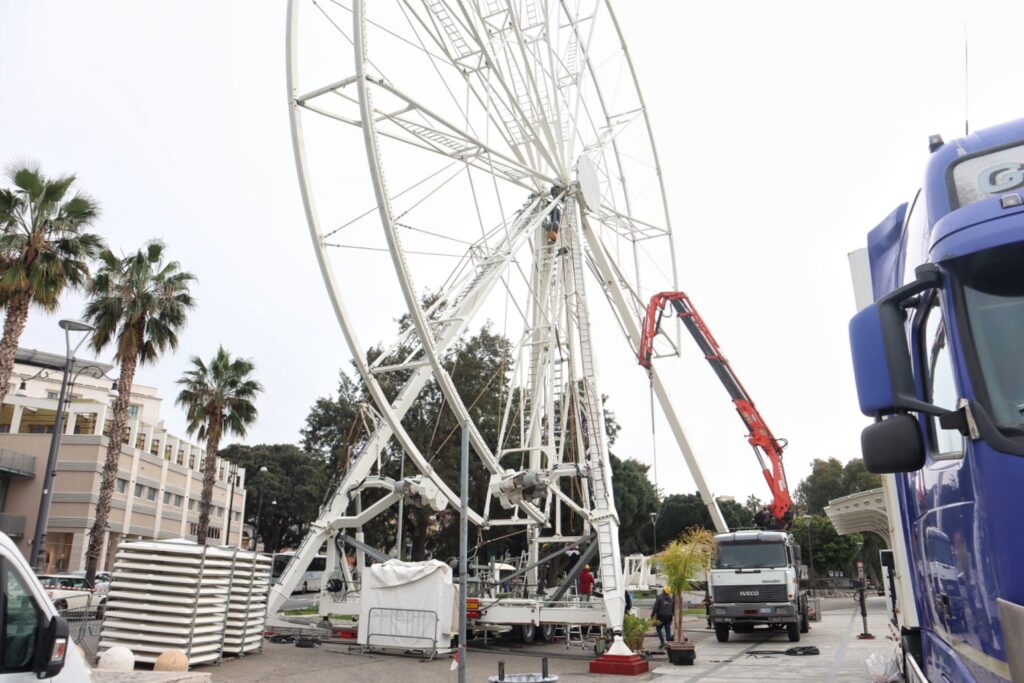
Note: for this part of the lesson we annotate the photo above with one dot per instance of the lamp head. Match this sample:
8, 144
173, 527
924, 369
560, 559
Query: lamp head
71, 325
22, 389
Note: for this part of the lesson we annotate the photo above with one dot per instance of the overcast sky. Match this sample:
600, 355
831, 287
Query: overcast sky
786, 131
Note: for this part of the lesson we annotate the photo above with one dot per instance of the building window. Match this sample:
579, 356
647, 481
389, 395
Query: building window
5, 429
211, 532
40, 429
139, 490
140, 441
151, 493
181, 458
122, 485
191, 461
177, 500
167, 497
133, 410
53, 395
167, 452
154, 447
191, 504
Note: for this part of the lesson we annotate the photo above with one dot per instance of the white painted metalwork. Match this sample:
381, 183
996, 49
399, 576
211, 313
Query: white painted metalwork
507, 140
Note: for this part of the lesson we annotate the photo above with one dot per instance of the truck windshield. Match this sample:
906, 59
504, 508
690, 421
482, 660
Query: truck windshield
993, 287
749, 555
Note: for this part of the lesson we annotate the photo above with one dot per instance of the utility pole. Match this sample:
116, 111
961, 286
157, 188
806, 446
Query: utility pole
463, 549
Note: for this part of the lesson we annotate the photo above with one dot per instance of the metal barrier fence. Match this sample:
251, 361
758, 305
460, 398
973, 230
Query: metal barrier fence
414, 625
84, 622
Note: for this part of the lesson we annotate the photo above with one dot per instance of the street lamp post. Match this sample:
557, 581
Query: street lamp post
42, 519
232, 475
259, 514
810, 555
654, 530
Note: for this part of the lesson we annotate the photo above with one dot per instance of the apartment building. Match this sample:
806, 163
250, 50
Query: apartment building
159, 480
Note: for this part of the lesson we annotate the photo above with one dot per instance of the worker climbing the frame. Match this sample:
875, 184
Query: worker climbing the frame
586, 583
663, 610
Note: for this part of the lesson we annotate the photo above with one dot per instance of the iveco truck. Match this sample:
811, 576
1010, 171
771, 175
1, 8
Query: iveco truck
938, 357
755, 581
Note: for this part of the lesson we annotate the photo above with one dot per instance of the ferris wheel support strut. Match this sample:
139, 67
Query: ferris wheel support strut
618, 301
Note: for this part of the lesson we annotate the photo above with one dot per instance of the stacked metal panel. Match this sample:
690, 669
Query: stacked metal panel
247, 603
169, 595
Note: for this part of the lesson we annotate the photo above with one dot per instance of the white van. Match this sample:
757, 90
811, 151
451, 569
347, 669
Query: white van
34, 639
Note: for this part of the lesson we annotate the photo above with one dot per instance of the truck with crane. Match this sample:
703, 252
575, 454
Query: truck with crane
755, 578
936, 349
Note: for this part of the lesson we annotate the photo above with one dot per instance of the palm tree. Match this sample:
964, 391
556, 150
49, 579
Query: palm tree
139, 303
43, 249
218, 399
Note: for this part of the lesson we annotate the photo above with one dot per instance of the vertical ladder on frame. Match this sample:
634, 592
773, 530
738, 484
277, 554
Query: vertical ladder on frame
604, 519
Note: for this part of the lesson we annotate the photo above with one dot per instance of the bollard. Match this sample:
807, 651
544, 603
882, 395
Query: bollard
864, 615
501, 670
544, 668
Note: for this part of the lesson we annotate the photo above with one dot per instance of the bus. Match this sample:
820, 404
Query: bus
311, 578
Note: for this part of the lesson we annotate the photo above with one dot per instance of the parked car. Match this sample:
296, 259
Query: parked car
68, 591
36, 641
103, 580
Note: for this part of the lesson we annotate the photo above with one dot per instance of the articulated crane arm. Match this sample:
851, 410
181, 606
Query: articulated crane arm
760, 437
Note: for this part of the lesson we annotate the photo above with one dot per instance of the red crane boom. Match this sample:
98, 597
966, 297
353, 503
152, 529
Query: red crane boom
761, 439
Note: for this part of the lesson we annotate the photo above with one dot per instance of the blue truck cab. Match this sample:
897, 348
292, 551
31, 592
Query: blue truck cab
938, 356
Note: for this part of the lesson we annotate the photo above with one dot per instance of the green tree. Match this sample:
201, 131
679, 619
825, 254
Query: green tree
830, 479
44, 249
816, 535
290, 491
218, 399
635, 500
140, 304
682, 511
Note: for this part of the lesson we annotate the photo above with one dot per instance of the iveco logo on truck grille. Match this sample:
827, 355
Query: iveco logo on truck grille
749, 594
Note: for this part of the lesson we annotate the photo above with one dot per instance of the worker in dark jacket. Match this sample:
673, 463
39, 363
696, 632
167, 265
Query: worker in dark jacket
663, 610
586, 583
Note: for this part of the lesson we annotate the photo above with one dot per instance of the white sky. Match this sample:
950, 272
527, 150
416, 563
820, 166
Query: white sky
786, 131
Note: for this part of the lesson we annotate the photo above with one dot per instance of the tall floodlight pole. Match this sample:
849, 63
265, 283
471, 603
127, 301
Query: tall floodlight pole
463, 549
43, 518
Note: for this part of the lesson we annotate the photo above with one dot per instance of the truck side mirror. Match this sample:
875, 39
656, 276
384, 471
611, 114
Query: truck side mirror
881, 355
893, 445
51, 648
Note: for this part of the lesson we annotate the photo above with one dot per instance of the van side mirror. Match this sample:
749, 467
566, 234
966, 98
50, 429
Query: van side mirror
893, 445
881, 355
51, 648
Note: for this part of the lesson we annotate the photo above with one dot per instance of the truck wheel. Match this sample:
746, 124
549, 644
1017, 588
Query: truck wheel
547, 632
793, 631
805, 624
722, 633
527, 633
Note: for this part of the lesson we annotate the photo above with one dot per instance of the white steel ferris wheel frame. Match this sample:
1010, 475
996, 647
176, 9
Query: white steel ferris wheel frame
579, 242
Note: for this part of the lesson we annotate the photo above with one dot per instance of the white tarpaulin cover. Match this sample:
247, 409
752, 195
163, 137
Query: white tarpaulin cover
408, 605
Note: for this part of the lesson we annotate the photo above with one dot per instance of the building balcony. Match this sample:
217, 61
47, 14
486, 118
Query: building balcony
17, 464
12, 525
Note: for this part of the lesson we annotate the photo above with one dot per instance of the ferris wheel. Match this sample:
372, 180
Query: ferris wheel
488, 162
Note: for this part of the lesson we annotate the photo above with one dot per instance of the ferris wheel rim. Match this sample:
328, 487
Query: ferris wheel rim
395, 249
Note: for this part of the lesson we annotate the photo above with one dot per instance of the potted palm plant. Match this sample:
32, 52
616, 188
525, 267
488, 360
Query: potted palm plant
633, 631
681, 562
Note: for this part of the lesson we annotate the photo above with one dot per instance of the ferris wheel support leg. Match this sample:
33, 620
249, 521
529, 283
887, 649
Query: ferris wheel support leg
614, 294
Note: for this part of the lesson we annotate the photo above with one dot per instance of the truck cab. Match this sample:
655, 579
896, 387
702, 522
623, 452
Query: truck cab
755, 581
34, 638
936, 348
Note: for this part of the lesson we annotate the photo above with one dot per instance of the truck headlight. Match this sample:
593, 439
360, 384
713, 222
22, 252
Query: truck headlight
781, 610
719, 610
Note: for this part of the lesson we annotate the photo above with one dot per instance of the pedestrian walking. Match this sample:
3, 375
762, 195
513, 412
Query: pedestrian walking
663, 610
